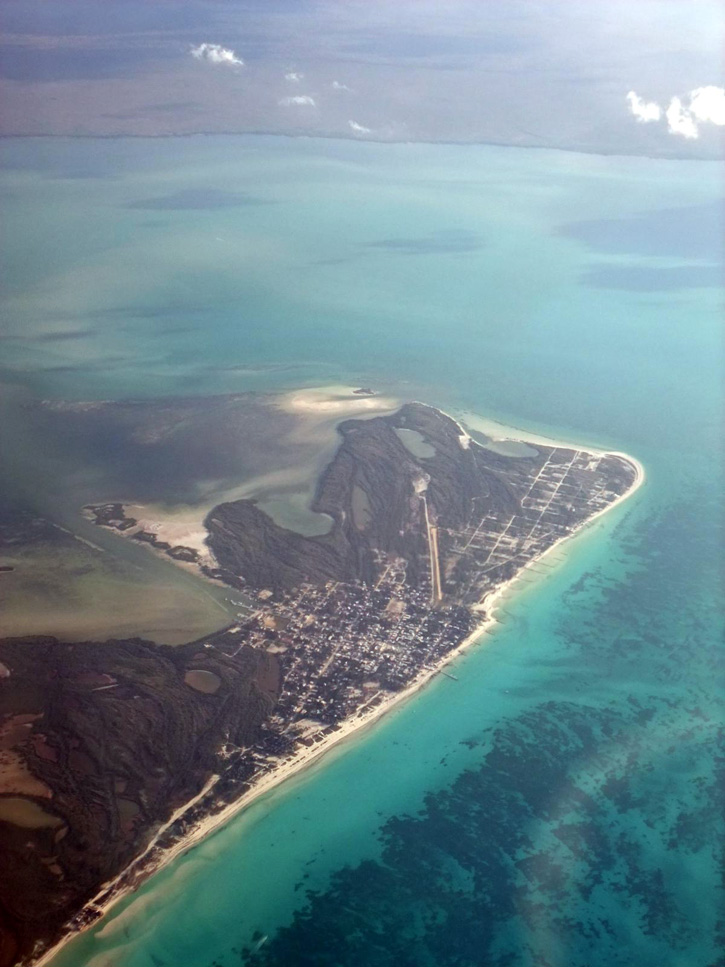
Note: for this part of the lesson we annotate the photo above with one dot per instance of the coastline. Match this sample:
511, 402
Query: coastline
343, 136
352, 727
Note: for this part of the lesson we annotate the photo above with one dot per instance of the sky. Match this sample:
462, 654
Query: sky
609, 76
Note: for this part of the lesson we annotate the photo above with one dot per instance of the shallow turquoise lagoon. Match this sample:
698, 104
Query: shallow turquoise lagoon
559, 803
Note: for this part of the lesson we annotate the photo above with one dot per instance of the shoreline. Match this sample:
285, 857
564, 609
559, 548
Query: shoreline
352, 727
345, 137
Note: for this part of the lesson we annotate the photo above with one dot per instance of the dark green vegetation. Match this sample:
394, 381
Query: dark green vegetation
490, 513
371, 461
108, 739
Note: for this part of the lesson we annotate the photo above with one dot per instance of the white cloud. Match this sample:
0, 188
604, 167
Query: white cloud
216, 54
708, 104
644, 110
680, 121
358, 128
337, 86
293, 76
303, 100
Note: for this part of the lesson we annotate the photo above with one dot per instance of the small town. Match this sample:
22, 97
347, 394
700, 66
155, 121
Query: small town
344, 648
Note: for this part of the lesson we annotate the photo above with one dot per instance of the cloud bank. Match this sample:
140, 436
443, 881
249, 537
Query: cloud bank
216, 54
358, 128
705, 105
293, 76
302, 100
338, 86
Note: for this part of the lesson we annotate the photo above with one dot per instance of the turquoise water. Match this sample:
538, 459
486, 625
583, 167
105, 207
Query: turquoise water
559, 803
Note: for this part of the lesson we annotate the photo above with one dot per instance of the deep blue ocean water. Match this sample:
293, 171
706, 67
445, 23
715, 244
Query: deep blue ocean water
560, 804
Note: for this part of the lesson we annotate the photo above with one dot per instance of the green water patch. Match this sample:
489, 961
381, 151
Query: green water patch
202, 681
26, 813
293, 512
415, 443
78, 592
510, 448
361, 510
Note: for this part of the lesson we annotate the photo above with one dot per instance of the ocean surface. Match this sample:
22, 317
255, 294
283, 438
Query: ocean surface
559, 805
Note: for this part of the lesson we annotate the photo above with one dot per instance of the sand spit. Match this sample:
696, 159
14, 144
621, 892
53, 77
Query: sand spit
337, 400
183, 526
502, 433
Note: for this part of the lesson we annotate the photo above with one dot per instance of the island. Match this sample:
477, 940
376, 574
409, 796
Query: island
117, 756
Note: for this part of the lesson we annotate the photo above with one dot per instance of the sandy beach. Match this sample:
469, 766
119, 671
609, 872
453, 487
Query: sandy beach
355, 726
337, 400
